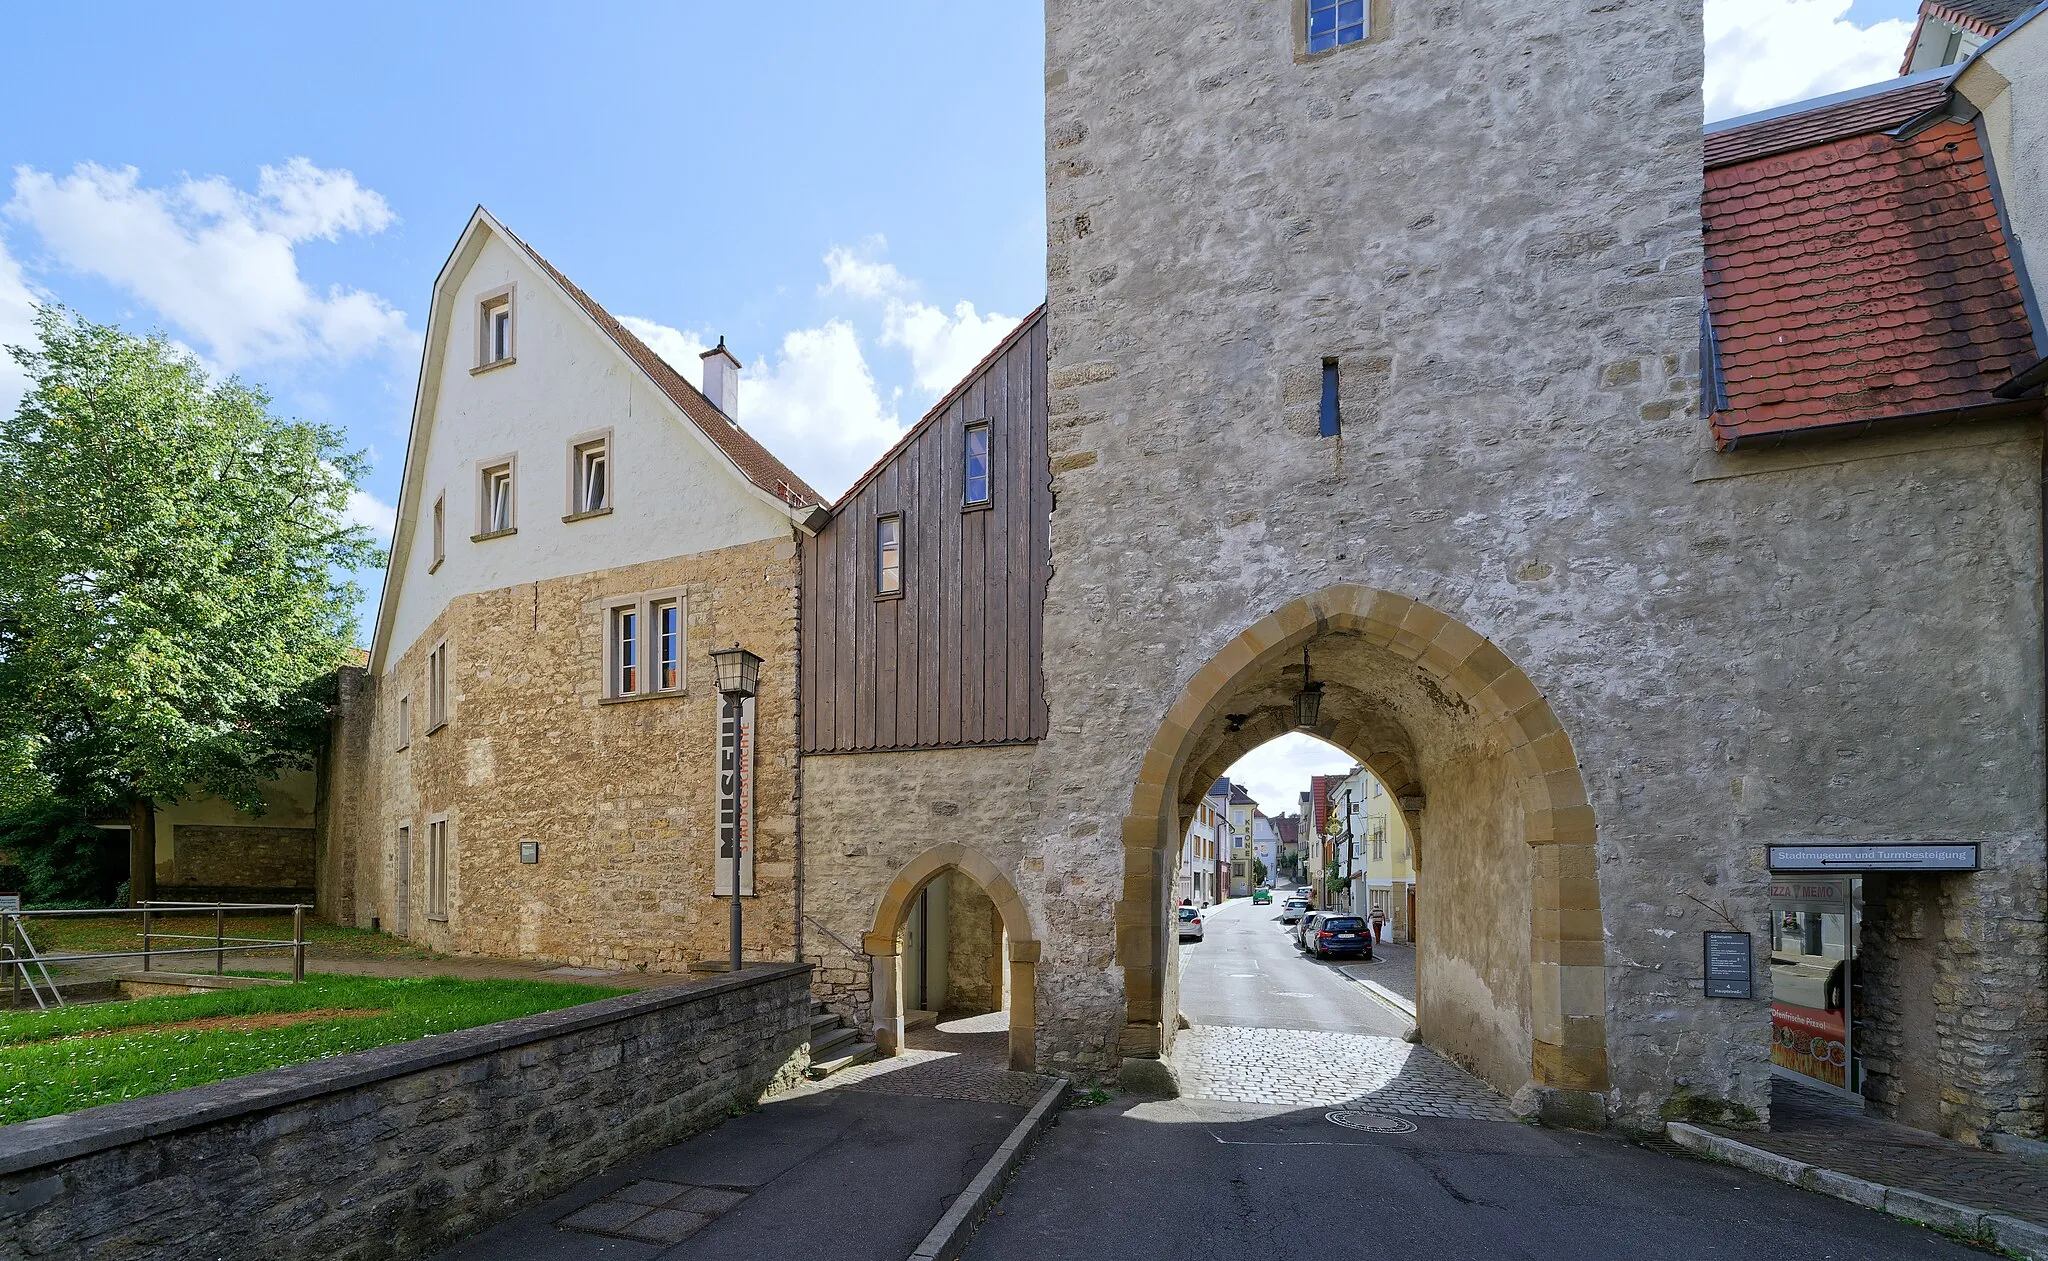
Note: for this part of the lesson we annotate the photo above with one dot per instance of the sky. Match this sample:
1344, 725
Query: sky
851, 195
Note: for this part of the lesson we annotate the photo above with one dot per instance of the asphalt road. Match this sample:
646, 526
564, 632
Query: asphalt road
1246, 972
1133, 1179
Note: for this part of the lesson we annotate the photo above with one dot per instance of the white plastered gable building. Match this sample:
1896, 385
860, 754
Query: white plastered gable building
529, 771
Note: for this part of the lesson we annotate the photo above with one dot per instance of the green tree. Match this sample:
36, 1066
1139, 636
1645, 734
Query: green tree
1258, 871
174, 578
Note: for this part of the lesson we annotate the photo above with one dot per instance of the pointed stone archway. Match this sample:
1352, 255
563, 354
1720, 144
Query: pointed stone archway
886, 965
1440, 715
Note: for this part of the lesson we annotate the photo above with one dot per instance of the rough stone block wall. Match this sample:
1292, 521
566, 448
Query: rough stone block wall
241, 857
394, 1152
974, 939
620, 795
1490, 219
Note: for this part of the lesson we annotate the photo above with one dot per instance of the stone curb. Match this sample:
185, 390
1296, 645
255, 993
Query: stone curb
949, 1237
47, 1140
2025, 1238
1382, 993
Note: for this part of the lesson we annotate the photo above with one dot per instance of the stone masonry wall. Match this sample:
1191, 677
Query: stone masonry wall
620, 795
241, 857
394, 1152
973, 940
1489, 217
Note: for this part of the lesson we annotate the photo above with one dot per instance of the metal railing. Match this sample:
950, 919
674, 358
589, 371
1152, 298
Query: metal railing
23, 961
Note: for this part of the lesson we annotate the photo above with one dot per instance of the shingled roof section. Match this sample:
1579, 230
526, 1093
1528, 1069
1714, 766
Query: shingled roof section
755, 461
1860, 279
1986, 17
1782, 132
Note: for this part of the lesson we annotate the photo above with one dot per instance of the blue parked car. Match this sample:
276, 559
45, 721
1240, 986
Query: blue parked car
1338, 935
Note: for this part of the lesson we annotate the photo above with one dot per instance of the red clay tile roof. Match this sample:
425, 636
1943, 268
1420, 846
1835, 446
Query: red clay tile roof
1781, 134
1857, 280
1986, 17
754, 460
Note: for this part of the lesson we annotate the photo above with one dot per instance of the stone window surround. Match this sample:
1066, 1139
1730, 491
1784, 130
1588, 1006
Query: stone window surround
509, 462
438, 707
403, 721
578, 445
440, 850
644, 603
1379, 27
505, 296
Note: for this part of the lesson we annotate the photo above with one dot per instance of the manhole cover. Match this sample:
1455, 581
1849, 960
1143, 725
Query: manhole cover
1371, 1122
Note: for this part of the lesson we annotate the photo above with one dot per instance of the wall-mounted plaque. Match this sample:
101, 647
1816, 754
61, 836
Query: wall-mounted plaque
529, 851
1730, 965
1917, 857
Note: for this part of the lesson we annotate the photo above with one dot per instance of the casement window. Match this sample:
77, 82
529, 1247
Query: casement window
590, 475
494, 329
1335, 23
437, 868
889, 556
646, 636
440, 532
404, 720
437, 687
977, 466
497, 498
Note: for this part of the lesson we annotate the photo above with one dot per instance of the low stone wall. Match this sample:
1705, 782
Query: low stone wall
396, 1151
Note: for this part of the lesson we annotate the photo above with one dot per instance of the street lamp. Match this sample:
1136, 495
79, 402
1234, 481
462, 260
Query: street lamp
739, 677
1308, 702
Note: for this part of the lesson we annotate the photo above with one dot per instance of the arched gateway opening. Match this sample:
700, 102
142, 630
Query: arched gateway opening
1012, 946
1511, 965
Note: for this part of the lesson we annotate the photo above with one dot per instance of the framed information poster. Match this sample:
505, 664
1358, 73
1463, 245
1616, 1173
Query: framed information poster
1731, 963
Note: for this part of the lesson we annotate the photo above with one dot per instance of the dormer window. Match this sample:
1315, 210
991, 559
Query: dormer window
1335, 23
495, 329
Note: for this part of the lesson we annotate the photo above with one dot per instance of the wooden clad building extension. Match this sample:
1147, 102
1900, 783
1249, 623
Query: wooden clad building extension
924, 595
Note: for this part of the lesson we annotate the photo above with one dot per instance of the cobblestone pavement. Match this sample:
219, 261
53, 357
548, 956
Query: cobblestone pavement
1308, 1068
1821, 1129
955, 1059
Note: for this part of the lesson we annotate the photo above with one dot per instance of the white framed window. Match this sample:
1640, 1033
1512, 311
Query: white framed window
495, 328
437, 687
404, 719
646, 637
889, 556
437, 867
590, 474
440, 532
497, 497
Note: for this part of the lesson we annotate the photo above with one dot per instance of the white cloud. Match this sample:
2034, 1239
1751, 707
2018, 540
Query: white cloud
943, 348
366, 510
815, 403
1277, 772
217, 262
1765, 53
17, 328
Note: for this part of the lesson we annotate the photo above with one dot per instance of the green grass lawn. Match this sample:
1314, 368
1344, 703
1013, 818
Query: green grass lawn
124, 932
45, 1068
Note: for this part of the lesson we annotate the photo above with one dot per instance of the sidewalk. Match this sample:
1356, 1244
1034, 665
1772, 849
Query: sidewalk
1392, 969
861, 1166
1829, 1144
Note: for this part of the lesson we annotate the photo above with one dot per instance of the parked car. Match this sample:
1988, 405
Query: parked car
1304, 926
1340, 935
1292, 911
1190, 924
1261, 896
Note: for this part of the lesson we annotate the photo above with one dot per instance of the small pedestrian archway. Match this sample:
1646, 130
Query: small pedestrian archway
1018, 951
1511, 961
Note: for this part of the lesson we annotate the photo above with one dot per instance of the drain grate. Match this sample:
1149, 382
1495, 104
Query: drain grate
1371, 1122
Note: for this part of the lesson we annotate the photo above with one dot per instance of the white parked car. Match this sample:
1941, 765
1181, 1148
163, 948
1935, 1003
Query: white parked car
1190, 924
1294, 910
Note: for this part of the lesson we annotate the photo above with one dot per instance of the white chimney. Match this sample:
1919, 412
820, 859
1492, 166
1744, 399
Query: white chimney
722, 380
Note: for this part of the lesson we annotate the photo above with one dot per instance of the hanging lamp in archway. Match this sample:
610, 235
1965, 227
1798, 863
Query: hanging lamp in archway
1308, 702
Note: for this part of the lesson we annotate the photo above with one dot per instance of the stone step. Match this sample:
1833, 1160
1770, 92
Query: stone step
847, 1057
823, 1020
823, 1045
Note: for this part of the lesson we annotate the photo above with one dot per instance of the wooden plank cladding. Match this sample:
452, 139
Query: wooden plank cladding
952, 656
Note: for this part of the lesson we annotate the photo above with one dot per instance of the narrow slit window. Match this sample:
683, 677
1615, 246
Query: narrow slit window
404, 721
437, 869
668, 645
1332, 424
977, 464
889, 556
626, 651
440, 532
437, 686
1335, 23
